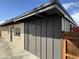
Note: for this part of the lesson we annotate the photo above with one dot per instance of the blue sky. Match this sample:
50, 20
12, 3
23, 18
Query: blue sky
72, 6
12, 8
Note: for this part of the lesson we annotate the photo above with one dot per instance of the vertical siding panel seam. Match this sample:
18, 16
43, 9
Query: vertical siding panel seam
40, 40
39, 35
46, 39
35, 40
28, 36
64, 26
61, 36
63, 23
53, 38
24, 35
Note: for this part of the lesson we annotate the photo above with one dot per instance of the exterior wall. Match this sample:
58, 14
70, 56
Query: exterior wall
5, 34
66, 25
42, 37
57, 49
17, 43
57, 38
0, 31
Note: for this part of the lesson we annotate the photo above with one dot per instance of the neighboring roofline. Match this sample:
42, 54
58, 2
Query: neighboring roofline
40, 9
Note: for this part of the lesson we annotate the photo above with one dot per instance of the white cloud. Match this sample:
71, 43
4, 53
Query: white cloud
75, 14
67, 5
76, 17
72, 4
2, 22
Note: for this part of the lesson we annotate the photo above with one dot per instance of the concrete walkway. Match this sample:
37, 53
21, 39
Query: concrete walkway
5, 52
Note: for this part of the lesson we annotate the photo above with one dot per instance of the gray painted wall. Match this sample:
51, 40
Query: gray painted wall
42, 35
66, 25
57, 38
57, 49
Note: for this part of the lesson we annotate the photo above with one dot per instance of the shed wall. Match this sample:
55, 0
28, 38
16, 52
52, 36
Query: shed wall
66, 25
5, 33
16, 43
40, 36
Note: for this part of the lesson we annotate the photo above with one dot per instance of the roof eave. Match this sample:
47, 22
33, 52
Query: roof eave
66, 14
57, 5
46, 7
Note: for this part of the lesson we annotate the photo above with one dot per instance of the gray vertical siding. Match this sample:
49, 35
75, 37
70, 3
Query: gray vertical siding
50, 40
57, 49
57, 27
63, 28
57, 37
66, 25
40, 36
32, 38
26, 36
43, 38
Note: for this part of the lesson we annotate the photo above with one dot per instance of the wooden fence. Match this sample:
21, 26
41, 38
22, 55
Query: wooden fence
70, 45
